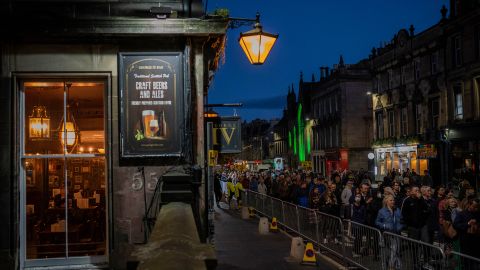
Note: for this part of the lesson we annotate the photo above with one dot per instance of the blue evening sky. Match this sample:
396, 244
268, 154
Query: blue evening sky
313, 33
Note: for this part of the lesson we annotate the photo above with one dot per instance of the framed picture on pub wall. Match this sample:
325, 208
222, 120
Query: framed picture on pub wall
78, 179
151, 98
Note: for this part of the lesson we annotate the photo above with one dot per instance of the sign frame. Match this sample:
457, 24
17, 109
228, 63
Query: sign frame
167, 107
219, 137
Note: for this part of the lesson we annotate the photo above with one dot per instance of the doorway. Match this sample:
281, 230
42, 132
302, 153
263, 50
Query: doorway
63, 175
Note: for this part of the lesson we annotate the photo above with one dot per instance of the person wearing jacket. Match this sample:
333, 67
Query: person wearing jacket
467, 224
388, 219
238, 192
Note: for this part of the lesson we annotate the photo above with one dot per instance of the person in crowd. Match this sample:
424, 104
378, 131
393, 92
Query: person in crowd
469, 194
397, 194
314, 199
268, 182
245, 181
467, 225
253, 183
431, 225
301, 194
345, 199
262, 188
276, 184
389, 219
415, 213
426, 179
283, 189
328, 201
238, 192
359, 215
449, 235
217, 188
230, 192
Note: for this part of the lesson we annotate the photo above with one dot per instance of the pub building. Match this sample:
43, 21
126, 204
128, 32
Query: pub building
98, 99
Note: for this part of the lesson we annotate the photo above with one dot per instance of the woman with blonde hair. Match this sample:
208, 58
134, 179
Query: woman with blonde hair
388, 219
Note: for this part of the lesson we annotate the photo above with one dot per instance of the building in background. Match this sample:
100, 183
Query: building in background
425, 98
340, 118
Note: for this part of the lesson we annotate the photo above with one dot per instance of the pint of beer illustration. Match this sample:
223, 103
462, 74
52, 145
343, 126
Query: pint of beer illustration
148, 117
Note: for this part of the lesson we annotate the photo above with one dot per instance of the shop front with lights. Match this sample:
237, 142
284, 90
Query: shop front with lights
399, 158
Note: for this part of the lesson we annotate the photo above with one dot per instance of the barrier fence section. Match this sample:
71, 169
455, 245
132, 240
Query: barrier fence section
363, 245
356, 243
456, 261
401, 252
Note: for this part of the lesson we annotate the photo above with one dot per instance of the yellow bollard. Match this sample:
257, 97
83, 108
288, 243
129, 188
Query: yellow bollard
274, 225
309, 255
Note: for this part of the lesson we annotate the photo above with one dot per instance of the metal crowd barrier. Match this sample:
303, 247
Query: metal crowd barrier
401, 252
363, 245
358, 244
455, 260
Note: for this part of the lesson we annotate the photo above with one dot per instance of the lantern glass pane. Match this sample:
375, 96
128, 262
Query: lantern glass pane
257, 47
43, 107
35, 130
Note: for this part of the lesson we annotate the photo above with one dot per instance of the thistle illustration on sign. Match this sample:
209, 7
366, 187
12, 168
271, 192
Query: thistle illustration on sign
139, 136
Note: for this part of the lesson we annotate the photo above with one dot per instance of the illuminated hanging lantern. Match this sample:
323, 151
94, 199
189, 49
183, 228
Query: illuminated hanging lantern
257, 44
39, 123
70, 129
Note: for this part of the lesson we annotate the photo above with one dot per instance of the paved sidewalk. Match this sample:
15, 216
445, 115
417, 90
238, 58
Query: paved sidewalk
240, 246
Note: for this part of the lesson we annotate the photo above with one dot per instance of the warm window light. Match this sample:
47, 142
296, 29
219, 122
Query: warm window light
257, 44
71, 134
39, 123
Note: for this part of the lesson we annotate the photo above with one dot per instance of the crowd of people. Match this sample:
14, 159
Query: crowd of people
402, 203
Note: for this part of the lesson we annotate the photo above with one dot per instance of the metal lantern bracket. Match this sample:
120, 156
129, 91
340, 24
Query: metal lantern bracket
234, 23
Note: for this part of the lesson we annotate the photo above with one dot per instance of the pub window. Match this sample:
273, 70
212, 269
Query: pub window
379, 120
391, 123
419, 120
404, 121
435, 112
457, 51
63, 168
458, 99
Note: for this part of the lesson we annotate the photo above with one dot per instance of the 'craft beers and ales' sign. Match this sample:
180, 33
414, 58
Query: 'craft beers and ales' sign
151, 97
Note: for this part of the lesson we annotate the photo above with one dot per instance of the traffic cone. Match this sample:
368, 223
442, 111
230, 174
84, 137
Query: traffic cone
273, 225
251, 211
309, 255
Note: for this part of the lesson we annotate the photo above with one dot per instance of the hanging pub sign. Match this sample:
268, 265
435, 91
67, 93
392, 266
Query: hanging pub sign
151, 104
426, 151
226, 135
